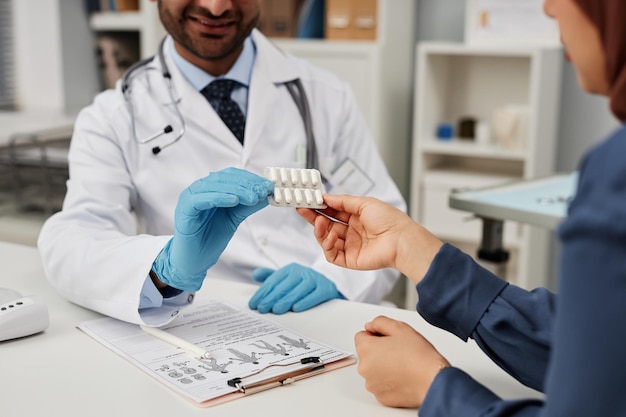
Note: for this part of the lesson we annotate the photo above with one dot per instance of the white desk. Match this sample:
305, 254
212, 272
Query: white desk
540, 202
63, 372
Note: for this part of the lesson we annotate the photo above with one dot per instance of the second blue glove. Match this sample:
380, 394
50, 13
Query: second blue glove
293, 287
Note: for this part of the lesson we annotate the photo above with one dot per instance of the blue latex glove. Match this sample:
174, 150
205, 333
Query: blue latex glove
293, 287
207, 214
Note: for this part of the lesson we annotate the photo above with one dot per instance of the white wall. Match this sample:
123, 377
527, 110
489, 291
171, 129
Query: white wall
55, 58
584, 120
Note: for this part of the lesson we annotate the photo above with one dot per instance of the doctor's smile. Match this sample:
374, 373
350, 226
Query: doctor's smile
209, 34
213, 25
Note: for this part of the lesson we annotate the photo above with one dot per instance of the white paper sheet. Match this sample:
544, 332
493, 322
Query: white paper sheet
241, 343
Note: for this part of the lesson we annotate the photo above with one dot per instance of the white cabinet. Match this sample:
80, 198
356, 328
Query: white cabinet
380, 73
512, 90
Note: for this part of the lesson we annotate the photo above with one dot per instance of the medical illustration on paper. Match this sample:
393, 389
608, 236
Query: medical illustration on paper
241, 343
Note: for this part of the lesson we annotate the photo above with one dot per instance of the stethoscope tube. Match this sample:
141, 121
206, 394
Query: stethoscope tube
127, 91
295, 88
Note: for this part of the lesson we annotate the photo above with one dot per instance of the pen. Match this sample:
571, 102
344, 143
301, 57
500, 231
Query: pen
194, 350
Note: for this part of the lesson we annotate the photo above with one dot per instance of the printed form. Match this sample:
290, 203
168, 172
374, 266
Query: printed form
242, 344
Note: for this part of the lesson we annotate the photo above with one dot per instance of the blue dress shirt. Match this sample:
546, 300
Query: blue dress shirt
240, 72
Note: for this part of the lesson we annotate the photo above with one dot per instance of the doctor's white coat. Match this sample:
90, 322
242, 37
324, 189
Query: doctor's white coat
119, 209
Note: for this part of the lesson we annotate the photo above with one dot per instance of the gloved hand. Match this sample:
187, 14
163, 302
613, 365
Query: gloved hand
293, 287
207, 214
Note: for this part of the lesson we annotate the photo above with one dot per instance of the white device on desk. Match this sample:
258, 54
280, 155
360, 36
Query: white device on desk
21, 316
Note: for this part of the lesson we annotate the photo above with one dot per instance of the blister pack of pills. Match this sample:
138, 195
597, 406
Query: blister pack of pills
296, 187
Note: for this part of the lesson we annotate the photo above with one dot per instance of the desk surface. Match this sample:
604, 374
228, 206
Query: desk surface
541, 202
63, 372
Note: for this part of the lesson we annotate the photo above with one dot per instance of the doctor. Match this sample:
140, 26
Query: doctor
162, 190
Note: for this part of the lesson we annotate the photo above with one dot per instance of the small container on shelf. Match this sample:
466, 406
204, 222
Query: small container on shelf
483, 133
445, 131
467, 127
510, 126
127, 5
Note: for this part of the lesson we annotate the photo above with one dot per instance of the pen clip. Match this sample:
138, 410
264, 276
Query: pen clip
314, 365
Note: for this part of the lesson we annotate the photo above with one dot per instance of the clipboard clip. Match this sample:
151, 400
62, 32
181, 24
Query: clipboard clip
314, 366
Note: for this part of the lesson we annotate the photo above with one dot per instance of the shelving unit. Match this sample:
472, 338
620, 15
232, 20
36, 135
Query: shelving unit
145, 22
54, 65
456, 80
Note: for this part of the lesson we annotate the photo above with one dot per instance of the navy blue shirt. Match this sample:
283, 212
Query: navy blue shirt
572, 346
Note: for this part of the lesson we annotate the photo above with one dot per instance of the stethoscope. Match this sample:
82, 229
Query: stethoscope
294, 87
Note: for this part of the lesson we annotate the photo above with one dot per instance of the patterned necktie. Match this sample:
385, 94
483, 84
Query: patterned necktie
218, 93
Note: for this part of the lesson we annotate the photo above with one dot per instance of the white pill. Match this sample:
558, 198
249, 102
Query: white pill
308, 195
318, 197
315, 177
294, 176
297, 192
284, 176
288, 197
278, 197
273, 172
304, 177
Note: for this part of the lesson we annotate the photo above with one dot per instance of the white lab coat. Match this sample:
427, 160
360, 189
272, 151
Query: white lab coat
119, 209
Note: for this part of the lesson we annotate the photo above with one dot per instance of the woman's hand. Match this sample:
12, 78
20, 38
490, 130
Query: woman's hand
372, 235
397, 362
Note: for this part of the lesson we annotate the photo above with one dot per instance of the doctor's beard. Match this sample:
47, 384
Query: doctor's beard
207, 46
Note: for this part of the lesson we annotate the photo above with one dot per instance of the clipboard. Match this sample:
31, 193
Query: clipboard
249, 352
286, 379
255, 382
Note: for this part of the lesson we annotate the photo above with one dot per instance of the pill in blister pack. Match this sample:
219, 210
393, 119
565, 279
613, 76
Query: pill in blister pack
296, 187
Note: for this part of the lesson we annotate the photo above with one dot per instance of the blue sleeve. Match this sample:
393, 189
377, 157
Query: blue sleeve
511, 325
516, 333
454, 393
456, 292
583, 333
587, 374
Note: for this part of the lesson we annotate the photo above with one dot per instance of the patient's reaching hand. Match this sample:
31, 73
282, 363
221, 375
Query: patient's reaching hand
377, 235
